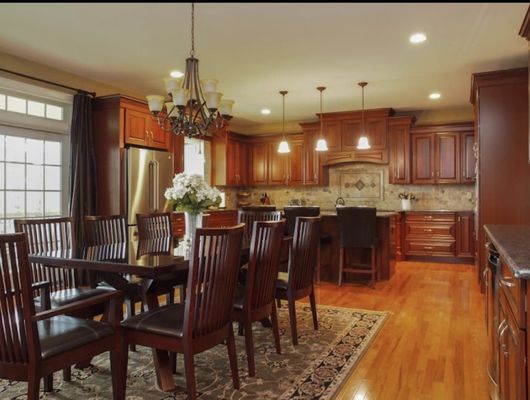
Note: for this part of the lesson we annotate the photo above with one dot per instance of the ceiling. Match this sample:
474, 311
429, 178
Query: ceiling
257, 49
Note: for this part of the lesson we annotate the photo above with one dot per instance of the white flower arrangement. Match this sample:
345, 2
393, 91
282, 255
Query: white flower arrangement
192, 194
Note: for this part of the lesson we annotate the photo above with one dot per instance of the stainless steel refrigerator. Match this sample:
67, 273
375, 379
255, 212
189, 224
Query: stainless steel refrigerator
149, 173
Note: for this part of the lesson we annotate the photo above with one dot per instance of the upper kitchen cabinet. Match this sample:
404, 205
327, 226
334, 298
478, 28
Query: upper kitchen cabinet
399, 149
230, 159
313, 171
259, 163
333, 134
141, 129
438, 152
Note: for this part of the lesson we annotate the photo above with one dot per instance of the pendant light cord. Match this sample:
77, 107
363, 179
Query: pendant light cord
364, 129
321, 117
283, 116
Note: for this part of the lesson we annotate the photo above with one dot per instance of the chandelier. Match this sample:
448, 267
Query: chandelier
194, 107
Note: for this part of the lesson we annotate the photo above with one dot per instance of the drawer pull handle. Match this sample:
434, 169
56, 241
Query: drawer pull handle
506, 282
427, 247
427, 230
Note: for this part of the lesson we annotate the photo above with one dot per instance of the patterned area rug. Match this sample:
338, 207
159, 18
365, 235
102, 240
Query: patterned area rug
315, 369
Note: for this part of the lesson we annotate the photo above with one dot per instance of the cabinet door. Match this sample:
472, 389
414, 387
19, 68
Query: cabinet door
260, 159
159, 138
232, 162
137, 128
351, 131
332, 133
447, 167
278, 165
465, 238
243, 173
468, 158
399, 169
296, 163
311, 157
422, 158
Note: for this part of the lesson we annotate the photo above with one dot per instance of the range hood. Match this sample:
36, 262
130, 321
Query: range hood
364, 156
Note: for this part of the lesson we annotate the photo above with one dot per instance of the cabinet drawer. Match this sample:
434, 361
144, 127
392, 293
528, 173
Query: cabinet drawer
428, 230
431, 217
514, 292
426, 248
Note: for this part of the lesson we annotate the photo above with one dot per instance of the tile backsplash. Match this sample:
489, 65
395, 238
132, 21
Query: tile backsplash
362, 184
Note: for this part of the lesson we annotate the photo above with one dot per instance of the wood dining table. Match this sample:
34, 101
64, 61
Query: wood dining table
159, 263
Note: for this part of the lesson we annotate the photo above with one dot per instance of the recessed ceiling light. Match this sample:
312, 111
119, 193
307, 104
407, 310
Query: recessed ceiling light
265, 111
435, 96
417, 38
176, 74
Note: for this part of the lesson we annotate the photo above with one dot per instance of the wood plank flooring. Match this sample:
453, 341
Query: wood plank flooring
434, 344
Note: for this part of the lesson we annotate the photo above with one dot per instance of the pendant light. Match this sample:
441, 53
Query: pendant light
284, 145
321, 142
363, 140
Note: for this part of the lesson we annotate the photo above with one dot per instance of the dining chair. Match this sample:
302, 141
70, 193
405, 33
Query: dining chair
154, 225
34, 345
291, 213
205, 320
297, 283
255, 301
101, 230
49, 234
248, 218
357, 230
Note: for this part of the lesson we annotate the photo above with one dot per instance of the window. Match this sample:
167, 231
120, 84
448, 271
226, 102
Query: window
32, 175
24, 105
194, 160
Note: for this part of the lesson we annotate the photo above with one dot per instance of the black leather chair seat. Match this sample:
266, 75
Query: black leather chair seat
167, 320
283, 279
67, 296
62, 333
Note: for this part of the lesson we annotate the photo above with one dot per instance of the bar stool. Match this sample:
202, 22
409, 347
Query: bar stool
357, 230
291, 213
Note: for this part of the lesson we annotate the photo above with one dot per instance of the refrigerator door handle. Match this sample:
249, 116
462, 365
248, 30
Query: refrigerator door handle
156, 185
151, 187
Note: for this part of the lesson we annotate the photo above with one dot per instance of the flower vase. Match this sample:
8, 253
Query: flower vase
193, 221
406, 204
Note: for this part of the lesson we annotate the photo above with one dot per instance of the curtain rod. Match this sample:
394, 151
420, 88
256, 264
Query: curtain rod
93, 94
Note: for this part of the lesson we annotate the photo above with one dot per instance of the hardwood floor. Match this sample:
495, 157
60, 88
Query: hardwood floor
434, 344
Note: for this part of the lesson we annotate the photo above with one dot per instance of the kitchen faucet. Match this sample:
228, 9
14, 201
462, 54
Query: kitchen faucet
339, 202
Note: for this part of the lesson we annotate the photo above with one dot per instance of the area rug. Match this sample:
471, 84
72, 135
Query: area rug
314, 369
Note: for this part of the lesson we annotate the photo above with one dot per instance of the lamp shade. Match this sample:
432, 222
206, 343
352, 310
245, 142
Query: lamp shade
172, 84
209, 85
283, 147
180, 97
155, 103
363, 143
225, 107
321, 145
213, 99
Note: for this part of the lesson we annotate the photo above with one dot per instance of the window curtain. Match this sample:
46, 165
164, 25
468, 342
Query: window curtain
83, 194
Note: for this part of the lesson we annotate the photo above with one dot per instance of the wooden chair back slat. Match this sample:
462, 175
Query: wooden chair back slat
303, 259
101, 229
248, 218
212, 279
16, 301
263, 263
49, 234
154, 226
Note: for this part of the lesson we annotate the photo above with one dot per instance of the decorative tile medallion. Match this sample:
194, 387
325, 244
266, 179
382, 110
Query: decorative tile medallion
361, 185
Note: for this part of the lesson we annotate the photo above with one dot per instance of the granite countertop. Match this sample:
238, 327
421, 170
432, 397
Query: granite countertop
513, 244
379, 213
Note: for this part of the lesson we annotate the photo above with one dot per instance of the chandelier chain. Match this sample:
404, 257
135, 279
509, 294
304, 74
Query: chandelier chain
192, 52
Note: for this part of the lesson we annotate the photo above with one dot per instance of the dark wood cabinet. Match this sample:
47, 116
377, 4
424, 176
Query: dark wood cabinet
399, 149
278, 165
259, 158
465, 235
423, 158
142, 130
468, 162
333, 135
439, 152
219, 218
295, 163
230, 159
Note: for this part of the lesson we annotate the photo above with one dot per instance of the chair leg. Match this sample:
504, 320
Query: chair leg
67, 374
129, 304
275, 330
249, 347
173, 361
33, 386
118, 364
292, 319
313, 308
47, 383
231, 346
189, 367
318, 265
341, 264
